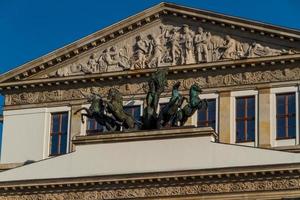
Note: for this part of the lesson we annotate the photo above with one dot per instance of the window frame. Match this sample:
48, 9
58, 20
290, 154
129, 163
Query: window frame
90, 131
245, 119
209, 96
273, 121
47, 140
285, 116
237, 94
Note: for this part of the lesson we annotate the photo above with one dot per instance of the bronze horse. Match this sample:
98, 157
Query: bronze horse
97, 111
115, 107
191, 107
169, 111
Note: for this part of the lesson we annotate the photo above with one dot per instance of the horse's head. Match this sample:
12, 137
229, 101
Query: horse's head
114, 95
94, 98
195, 88
176, 85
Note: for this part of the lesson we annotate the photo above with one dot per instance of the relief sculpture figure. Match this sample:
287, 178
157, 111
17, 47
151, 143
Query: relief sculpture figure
106, 59
92, 64
155, 50
174, 39
257, 50
188, 47
201, 44
141, 50
233, 49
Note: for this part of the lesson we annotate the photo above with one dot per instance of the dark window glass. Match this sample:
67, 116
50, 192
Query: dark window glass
59, 133
245, 119
134, 111
93, 127
162, 105
286, 115
207, 117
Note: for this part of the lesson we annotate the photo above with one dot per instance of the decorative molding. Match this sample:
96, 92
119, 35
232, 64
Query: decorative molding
205, 80
167, 187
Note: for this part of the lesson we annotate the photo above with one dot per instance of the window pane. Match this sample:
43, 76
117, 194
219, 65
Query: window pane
292, 127
240, 135
280, 127
280, 107
63, 144
90, 124
250, 107
291, 104
162, 105
54, 145
135, 111
99, 127
55, 123
251, 130
202, 115
64, 122
240, 107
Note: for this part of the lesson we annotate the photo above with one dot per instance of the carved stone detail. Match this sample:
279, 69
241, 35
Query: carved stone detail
165, 191
167, 45
206, 81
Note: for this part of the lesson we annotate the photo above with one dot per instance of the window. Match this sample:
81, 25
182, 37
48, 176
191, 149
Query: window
245, 119
162, 105
134, 111
93, 127
207, 117
59, 133
286, 116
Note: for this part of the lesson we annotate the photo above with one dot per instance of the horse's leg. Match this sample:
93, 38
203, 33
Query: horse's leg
85, 115
75, 113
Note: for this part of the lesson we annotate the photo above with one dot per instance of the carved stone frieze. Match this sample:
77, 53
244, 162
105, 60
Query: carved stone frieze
173, 190
134, 88
167, 45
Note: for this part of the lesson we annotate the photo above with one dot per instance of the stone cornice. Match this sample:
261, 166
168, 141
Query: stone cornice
107, 34
237, 175
112, 76
146, 135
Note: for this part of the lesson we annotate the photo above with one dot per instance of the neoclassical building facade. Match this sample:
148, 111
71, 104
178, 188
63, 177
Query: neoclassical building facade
242, 146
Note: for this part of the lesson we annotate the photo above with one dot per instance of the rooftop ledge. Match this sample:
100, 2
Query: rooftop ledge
180, 132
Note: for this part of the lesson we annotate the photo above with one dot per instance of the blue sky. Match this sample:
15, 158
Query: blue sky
32, 28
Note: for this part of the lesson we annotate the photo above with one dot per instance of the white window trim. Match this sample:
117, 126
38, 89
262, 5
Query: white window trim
273, 125
83, 125
234, 95
208, 97
49, 111
134, 103
162, 100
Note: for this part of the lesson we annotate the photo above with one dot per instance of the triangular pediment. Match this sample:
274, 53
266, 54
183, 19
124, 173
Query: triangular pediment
166, 35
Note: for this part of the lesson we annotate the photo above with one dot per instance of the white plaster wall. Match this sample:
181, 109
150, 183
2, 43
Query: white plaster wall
26, 134
23, 135
148, 156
